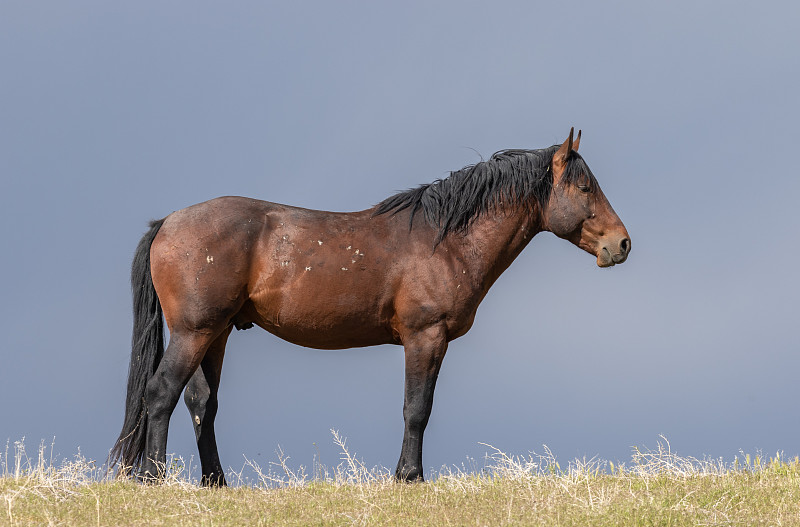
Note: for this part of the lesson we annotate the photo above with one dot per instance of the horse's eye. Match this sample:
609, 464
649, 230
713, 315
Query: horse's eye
584, 188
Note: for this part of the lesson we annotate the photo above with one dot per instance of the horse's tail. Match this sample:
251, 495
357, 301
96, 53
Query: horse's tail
147, 350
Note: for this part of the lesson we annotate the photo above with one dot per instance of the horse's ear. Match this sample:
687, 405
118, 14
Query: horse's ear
563, 152
577, 142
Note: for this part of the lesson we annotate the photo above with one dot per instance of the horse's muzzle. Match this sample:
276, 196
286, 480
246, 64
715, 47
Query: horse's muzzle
614, 253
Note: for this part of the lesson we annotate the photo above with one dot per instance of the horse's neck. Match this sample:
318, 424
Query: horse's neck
494, 240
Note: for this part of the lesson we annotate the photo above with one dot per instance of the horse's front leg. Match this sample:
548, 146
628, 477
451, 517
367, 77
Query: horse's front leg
424, 351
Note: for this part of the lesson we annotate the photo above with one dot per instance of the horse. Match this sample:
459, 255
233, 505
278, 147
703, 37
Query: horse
411, 270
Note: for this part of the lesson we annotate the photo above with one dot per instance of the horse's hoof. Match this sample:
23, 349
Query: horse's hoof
409, 476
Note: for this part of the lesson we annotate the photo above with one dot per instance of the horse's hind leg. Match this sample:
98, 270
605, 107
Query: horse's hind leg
181, 358
201, 400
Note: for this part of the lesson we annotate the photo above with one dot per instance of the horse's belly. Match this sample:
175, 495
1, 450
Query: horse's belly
326, 331
322, 339
323, 320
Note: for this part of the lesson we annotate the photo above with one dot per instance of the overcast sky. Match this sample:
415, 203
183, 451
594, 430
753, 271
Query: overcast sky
112, 114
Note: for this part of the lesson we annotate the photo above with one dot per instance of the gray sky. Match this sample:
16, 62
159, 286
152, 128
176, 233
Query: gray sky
112, 114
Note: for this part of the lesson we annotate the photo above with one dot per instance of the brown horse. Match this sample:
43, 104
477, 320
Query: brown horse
340, 280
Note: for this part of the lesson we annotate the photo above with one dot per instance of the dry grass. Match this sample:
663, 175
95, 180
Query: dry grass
658, 487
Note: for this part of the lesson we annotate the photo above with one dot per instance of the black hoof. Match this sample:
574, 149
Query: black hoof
214, 481
409, 476
149, 479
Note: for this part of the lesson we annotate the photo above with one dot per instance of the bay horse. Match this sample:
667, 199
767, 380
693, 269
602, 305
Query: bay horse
410, 271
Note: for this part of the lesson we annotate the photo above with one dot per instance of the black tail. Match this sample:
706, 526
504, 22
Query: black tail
147, 350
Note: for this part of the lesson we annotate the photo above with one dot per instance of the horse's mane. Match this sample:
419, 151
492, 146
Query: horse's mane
509, 177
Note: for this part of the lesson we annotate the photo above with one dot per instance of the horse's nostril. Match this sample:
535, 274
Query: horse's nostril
625, 245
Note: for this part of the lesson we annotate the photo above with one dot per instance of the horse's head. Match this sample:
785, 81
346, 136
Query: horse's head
578, 210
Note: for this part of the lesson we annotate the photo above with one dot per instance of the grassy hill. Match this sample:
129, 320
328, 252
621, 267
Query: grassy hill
657, 487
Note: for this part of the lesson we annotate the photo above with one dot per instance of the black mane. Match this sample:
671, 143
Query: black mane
510, 177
